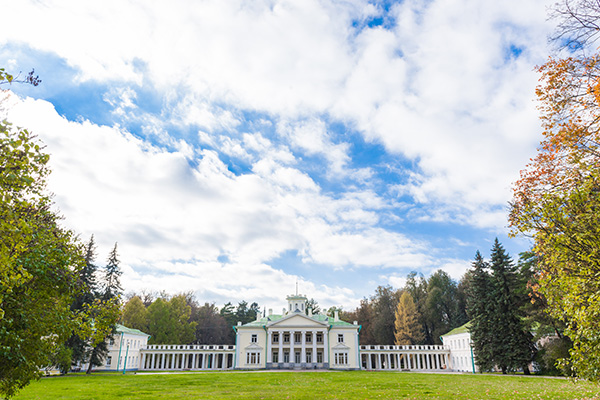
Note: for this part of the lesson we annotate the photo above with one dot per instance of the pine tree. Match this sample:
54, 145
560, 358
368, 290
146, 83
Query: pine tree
88, 292
480, 310
112, 276
514, 347
110, 299
407, 326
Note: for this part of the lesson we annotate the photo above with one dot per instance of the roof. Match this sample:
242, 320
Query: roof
316, 317
130, 331
460, 329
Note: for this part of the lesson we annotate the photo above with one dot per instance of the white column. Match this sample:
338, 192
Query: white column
280, 356
326, 346
303, 353
388, 359
292, 339
269, 347
409, 366
152, 361
314, 346
427, 361
369, 361
194, 361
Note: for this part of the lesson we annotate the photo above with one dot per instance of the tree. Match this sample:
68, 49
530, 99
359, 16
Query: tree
313, 305
169, 321
556, 198
480, 310
39, 261
112, 276
384, 305
135, 315
408, 330
417, 287
211, 326
37, 318
499, 334
86, 295
514, 343
105, 312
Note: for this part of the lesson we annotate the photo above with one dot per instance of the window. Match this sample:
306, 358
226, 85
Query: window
319, 337
340, 358
111, 342
297, 337
308, 357
340, 338
319, 357
286, 356
108, 361
286, 338
276, 338
252, 358
275, 357
297, 358
254, 338
309, 337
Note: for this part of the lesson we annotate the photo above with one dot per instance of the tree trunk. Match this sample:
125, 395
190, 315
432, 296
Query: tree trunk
526, 369
90, 364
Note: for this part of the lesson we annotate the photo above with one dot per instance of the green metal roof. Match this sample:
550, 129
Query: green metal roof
316, 317
124, 329
460, 329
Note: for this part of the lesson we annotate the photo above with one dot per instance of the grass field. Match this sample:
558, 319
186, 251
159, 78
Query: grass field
306, 385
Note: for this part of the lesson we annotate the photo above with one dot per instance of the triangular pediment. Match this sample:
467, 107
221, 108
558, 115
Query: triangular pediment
340, 346
296, 320
253, 346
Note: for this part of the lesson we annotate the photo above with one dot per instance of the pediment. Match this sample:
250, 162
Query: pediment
340, 346
297, 320
253, 346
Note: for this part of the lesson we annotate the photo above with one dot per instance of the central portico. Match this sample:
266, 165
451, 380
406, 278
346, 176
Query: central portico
297, 339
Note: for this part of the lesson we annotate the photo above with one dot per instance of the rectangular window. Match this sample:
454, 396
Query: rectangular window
340, 338
108, 361
275, 357
341, 358
286, 356
319, 337
286, 338
252, 358
111, 342
308, 357
297, 358
276, 338
254, 338
319, 357
297, 337
309, 337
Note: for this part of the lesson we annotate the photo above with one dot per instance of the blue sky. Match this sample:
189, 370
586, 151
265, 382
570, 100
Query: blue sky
232, 148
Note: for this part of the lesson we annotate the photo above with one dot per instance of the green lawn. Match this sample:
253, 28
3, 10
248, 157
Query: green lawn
306, 385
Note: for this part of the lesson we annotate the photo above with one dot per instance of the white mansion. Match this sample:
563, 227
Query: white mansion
294, 339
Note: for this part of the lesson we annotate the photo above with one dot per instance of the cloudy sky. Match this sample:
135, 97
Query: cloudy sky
234, 147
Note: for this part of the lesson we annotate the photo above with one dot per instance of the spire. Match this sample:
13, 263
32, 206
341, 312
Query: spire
296, 286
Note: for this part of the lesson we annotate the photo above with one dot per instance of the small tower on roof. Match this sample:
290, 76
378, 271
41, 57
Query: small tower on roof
296, 302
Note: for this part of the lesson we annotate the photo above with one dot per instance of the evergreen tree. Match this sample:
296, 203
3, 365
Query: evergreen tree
480, 309
384, 304
109, 299
407, 326
88, 292
514, 348
112, 276
495, 303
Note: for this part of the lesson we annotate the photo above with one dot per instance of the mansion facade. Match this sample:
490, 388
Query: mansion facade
294, 339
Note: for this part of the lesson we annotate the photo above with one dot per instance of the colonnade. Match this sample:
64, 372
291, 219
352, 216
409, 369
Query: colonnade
187, 357
284, 348
411, 358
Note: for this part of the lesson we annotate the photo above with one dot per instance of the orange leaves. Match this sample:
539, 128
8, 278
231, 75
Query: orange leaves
569, 104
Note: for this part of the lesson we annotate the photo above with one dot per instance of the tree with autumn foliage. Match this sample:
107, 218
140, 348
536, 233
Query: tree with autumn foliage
408, 329
557, 199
